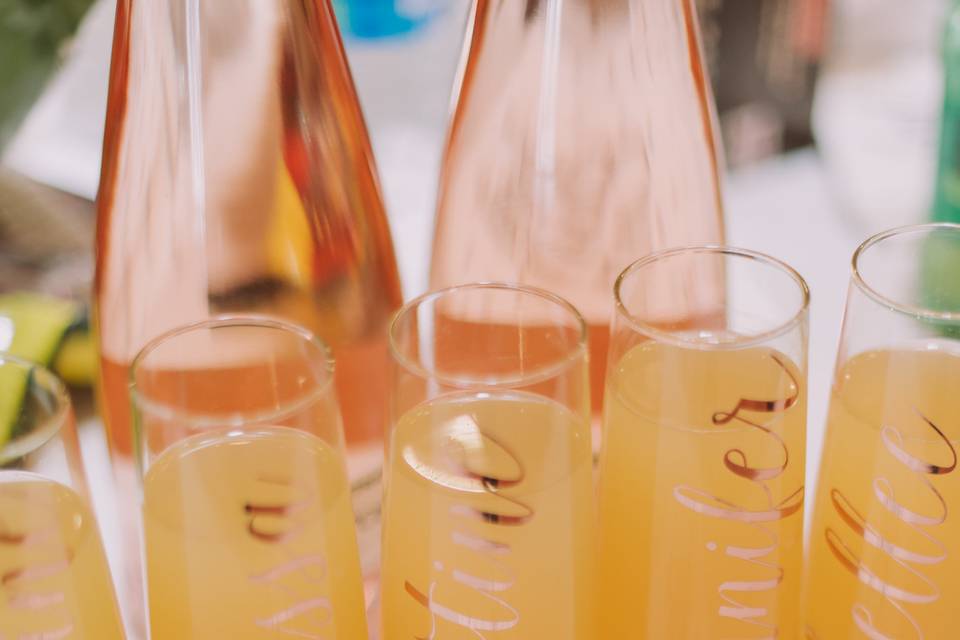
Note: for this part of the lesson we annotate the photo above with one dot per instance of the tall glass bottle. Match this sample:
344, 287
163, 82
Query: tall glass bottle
238, 177
583, 137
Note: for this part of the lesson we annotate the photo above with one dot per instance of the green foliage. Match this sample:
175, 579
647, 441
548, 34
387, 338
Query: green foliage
32, 37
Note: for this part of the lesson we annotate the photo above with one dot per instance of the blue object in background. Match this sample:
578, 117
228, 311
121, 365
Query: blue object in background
379, 19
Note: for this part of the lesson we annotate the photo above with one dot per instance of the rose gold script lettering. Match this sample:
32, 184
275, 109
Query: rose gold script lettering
934, 552
713, 506
510, 513
19, 582
278, 523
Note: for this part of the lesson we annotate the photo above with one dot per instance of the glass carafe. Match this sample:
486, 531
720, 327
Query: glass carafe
584, 136
238, 178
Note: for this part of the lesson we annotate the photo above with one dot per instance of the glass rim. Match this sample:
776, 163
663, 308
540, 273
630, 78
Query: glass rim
538, 375
203, 420
905, 308
641, 326
37, 438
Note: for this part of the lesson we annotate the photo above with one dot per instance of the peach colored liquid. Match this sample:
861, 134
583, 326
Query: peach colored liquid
488, 521
701, 495
884, 558
54, 579
250, 535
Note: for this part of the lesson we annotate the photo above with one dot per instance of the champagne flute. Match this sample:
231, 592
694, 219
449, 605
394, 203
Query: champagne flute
884, 555
248, 527
702, 463
488, 515
54, 578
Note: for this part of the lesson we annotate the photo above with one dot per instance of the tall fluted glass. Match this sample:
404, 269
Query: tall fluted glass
248, 530
584, 136
884, 556
238, 178
702, 466
54, 578
488, 505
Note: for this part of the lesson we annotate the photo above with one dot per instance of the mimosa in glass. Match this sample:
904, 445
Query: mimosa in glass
702, 465
884, 555
488, 508
243, 518
248, 527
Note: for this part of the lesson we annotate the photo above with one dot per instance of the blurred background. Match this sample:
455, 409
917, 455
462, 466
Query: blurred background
849, 91
832, 114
